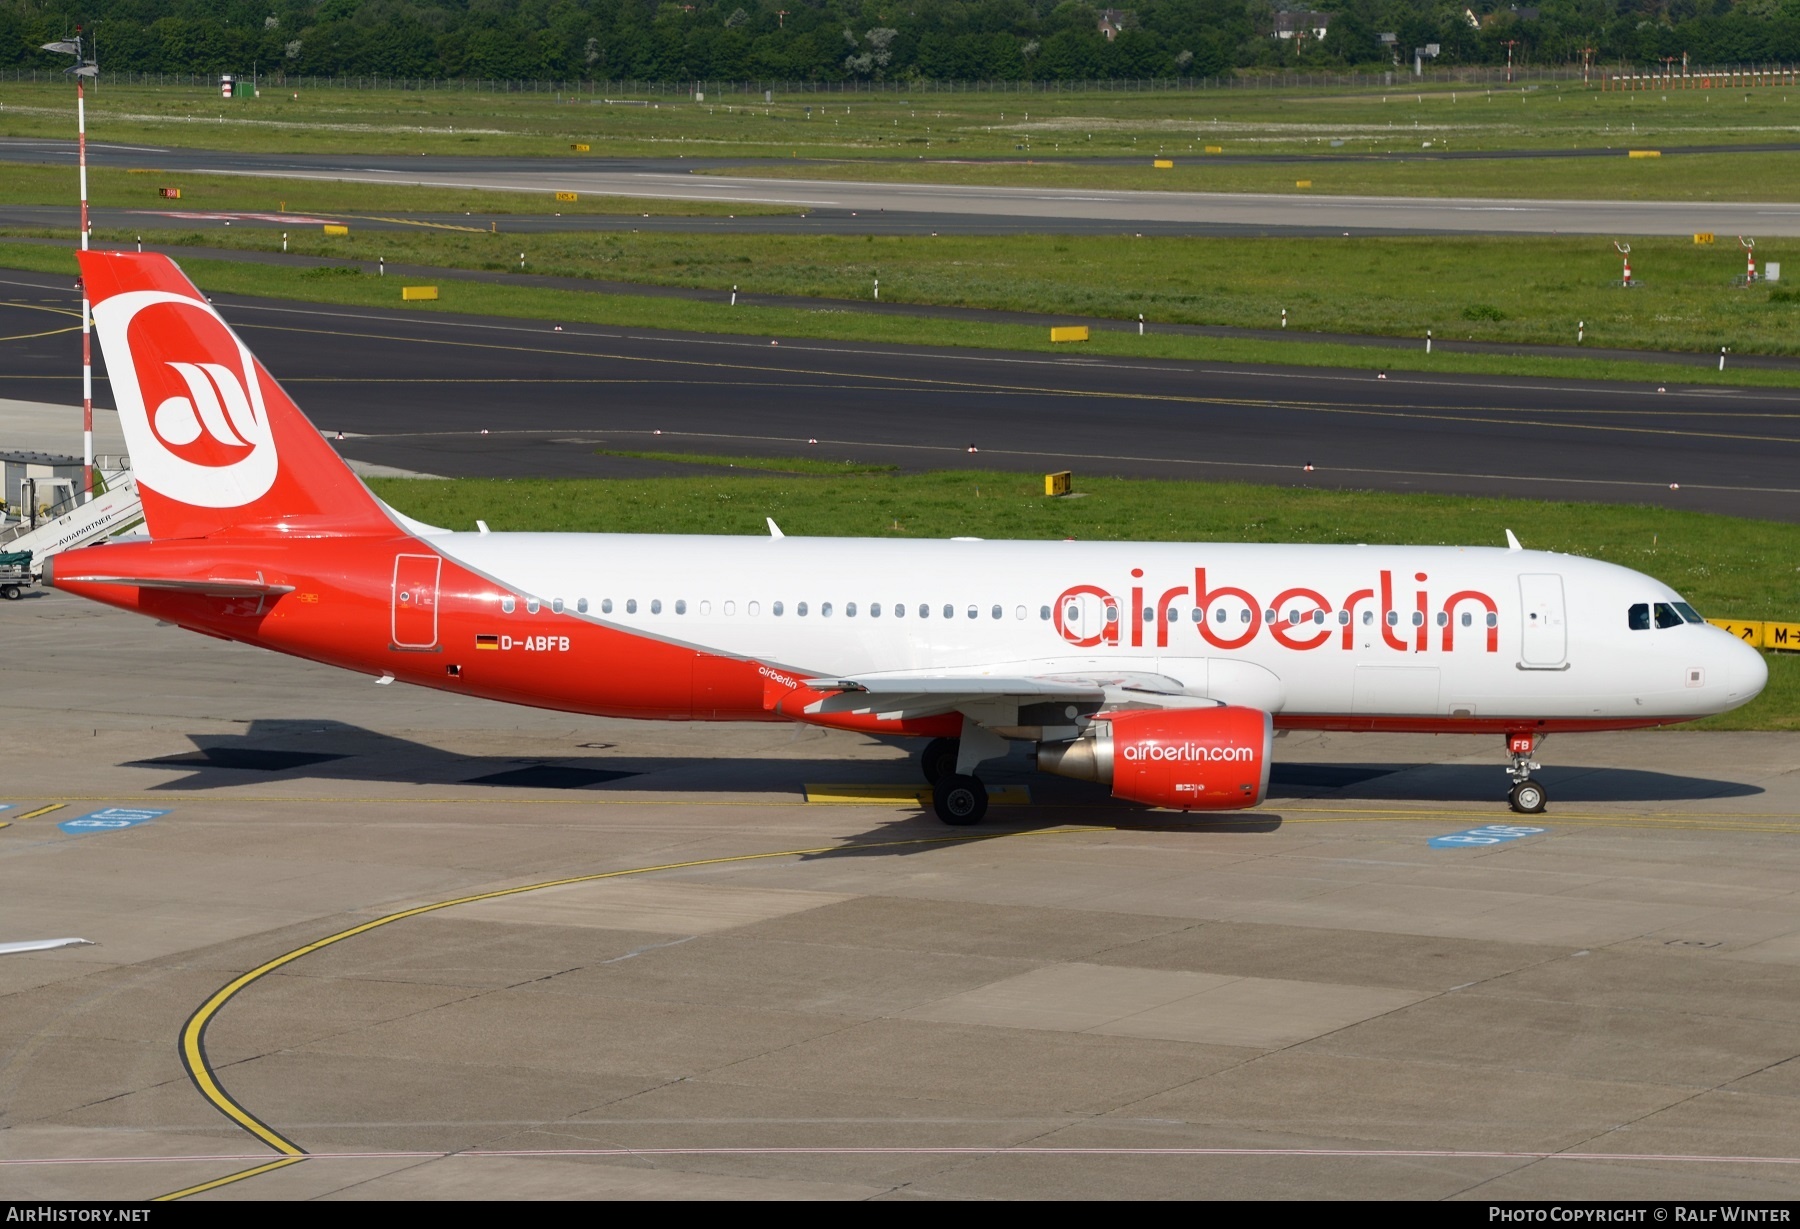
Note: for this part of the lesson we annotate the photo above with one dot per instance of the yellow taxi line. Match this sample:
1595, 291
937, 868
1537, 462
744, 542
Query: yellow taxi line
193, 1033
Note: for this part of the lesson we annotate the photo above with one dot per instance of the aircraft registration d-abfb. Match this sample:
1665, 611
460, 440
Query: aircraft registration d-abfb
1160, 669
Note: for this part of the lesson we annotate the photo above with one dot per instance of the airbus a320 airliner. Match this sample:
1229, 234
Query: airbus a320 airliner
1162, 670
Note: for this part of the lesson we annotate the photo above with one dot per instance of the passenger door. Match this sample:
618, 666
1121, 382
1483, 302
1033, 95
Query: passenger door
1544, 642
1084, 617
415, 601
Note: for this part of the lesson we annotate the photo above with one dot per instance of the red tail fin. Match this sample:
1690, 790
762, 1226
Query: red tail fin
217, 447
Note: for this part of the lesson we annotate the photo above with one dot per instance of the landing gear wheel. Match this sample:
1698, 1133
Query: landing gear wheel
938, 760
959, 800
11, 593
1527, 797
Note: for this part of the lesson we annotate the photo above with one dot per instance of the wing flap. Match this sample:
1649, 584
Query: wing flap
898, 697
960, 686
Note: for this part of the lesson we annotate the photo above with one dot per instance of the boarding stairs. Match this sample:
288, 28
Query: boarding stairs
114, 508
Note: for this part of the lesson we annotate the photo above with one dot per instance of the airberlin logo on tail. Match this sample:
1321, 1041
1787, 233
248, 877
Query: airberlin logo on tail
190, 400
213, 393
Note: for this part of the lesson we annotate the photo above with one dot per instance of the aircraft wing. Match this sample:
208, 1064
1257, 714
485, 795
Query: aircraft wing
923, 696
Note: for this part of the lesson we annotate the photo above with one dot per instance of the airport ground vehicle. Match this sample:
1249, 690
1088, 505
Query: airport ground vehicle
15, 574
1160, 669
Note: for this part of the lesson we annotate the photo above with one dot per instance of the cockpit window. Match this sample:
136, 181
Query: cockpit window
1638, 617
1689, 613
1667, 615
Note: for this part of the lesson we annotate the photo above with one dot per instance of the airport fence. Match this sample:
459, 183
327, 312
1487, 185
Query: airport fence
609, 90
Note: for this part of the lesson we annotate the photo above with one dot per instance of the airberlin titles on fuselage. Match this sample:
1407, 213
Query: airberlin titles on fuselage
1229, 617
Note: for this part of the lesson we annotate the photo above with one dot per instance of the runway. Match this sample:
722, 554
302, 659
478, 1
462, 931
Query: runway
156, 157
1042, 207
794, 221
461, 395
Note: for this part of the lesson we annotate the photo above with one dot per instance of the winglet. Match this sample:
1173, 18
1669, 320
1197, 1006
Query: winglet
1512, 543
774, 529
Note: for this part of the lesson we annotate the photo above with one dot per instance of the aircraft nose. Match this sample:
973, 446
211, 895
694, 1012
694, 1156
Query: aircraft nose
1742, 672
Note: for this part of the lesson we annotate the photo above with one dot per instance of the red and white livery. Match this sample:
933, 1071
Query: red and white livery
1160, 669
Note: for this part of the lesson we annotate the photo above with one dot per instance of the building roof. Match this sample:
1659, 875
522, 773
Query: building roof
38, 458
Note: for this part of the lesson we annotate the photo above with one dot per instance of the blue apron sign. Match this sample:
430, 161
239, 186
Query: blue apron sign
1491, 834
108, 820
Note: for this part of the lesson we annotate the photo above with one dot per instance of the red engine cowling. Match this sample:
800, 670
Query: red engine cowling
1195, 759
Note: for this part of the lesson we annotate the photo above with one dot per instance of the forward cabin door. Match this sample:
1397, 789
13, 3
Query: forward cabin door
415, 615
1545, 640
1084, 617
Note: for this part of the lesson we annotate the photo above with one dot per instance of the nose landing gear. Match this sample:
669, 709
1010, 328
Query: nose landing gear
1526, 796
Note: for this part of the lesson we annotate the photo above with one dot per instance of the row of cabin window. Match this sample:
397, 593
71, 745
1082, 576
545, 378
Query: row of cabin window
1294, 617
754, 609
777, 609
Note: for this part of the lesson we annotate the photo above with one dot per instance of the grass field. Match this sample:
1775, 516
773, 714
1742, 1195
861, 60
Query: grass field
128, 189
630, 311
1109, 122
1514, 289
1725, 566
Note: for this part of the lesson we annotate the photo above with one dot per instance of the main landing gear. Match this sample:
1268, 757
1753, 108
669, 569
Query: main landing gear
957, 799
938, 760
1526, 796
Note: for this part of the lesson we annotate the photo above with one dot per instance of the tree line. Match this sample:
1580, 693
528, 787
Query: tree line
884, 40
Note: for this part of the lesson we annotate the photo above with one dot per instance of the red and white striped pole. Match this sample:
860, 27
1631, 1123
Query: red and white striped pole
87, 316
1749, 246
84, 67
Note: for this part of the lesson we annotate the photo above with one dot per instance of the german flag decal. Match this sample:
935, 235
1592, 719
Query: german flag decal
488, 642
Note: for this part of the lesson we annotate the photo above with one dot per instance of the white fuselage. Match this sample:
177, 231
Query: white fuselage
1378, 631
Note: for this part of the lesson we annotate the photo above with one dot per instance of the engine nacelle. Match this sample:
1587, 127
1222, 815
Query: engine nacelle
1192, 759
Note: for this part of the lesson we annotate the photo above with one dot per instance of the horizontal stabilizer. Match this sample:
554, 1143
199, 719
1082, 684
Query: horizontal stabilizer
212, 587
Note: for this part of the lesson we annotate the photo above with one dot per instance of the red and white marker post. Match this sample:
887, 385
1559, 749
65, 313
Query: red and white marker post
83, 69
87, 315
